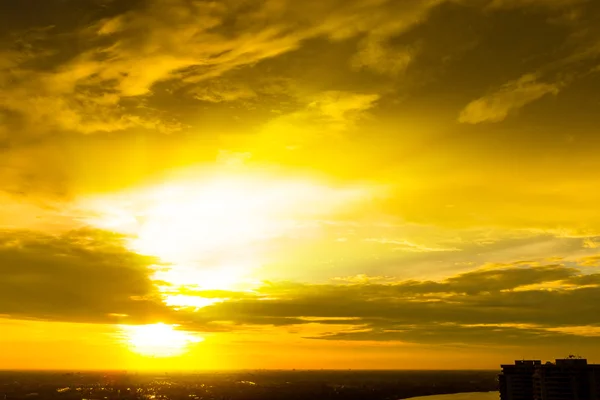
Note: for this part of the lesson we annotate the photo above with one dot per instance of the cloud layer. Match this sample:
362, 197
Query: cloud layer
87, 276
472, 124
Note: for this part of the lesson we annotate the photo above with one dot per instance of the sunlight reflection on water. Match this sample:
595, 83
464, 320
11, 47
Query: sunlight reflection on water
461, 396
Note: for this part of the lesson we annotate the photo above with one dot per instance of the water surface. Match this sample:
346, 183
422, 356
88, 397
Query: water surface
461, 396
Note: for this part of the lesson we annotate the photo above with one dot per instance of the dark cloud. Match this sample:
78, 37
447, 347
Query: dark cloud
89, 276
495, 280
81, 276
484, 306
458, 335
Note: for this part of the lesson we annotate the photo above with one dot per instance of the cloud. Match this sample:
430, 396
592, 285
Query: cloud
79, 276
125, 53
363, 278
493, 280
375, 51
473, 335
322, 116
541, 3
101, 82
591, 243
88, 276
496, 106
212, 38
584, 280
66, 97
478, 307
575, 60
405, 245
342, 108
590, 261
590, 331
217, 91
381, 59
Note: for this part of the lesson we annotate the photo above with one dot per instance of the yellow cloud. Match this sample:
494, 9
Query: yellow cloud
590, 261
188, 41
405, 245
585, 330
496, 106
343, 107
591, 243
543, 3
380, 58
70, 99
175, 38
374, 50
324, 115
217, 91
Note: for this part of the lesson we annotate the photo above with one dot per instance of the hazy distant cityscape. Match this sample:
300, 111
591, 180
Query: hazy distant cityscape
571, 378
248, 385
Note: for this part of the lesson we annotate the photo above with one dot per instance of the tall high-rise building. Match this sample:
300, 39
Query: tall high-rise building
516, 380
566, 379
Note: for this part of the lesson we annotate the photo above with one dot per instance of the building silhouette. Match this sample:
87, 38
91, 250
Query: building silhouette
571, 378
516, 381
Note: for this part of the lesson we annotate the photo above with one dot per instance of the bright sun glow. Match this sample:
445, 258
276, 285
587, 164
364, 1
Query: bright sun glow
185, 221
211, 231
158, 340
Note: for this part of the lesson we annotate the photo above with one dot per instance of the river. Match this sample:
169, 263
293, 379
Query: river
461, 396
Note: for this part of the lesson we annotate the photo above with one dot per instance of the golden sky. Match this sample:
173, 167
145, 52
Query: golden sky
194, 184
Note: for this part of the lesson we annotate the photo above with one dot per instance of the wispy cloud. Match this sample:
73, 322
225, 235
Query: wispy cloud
405, 245
539, 3
124, 56
511, 97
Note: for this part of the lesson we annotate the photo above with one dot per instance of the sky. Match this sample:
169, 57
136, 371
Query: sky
194, 184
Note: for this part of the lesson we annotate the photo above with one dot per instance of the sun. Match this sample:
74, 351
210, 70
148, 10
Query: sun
158, 340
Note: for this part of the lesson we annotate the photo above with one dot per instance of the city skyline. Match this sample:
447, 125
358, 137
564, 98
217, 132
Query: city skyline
272, 184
